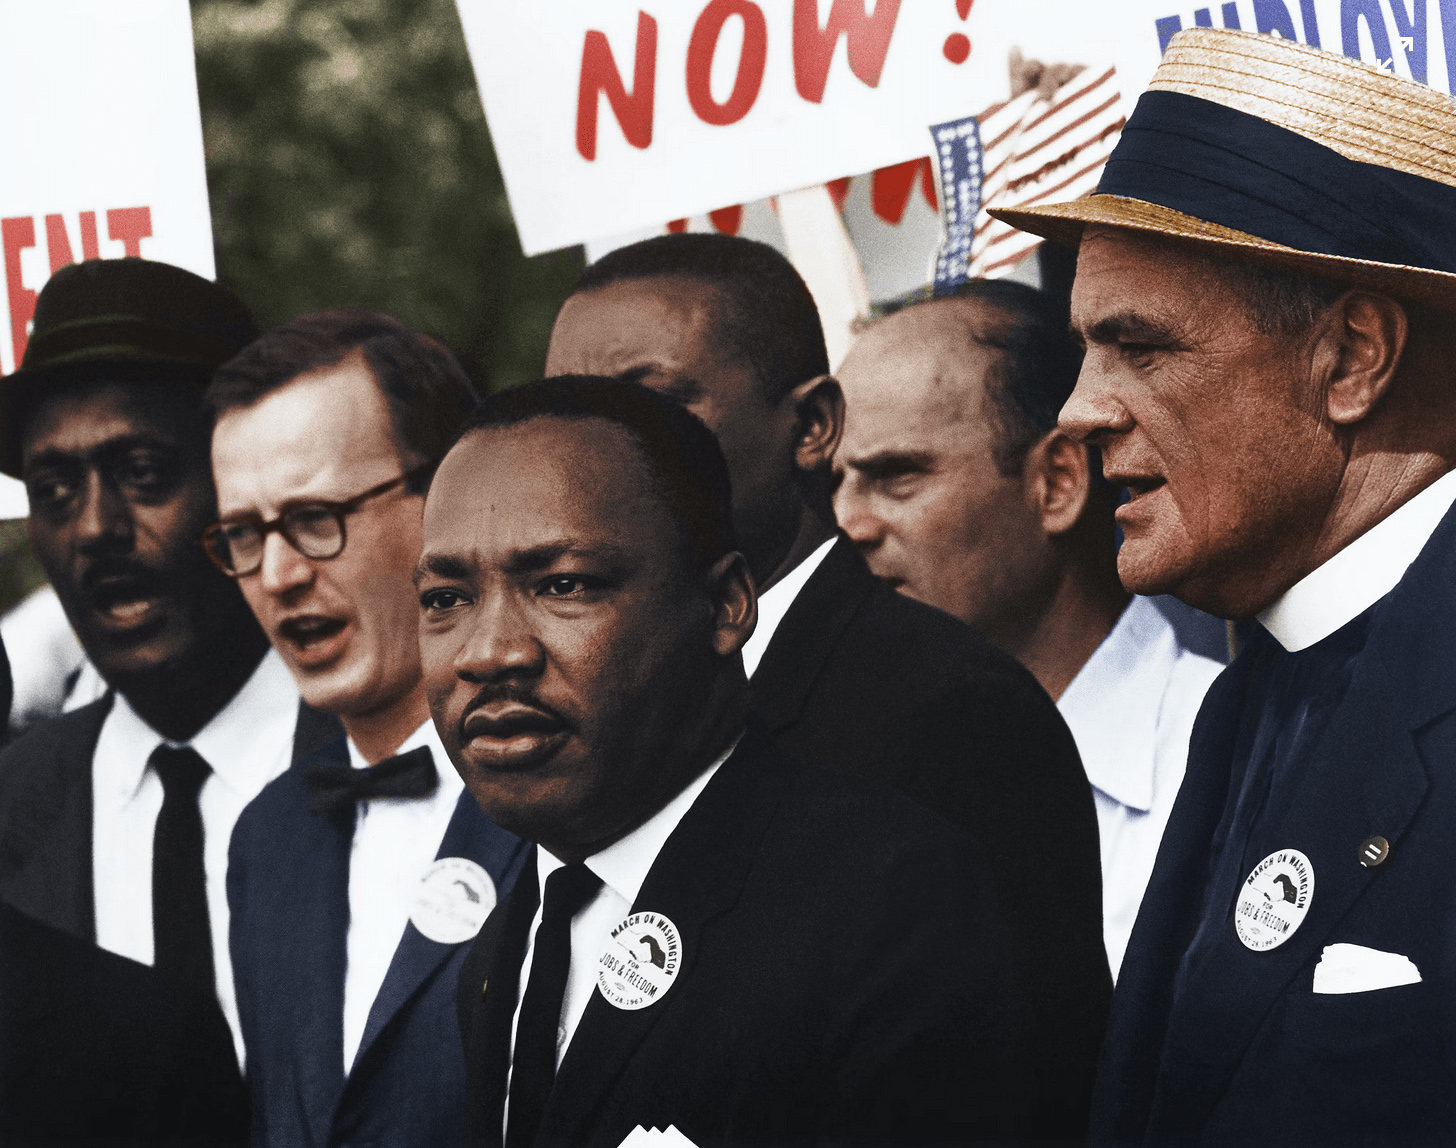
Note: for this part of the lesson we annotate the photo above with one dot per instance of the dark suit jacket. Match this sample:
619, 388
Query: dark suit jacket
288, 894
861, 678
1250, 1052
841, 979
108, 1054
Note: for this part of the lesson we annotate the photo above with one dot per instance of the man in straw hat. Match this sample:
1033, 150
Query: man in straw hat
1265, 284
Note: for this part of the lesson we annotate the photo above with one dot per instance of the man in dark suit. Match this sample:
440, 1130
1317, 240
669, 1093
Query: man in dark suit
843, 670
1266, 310
357, 879
715, 937
114, 819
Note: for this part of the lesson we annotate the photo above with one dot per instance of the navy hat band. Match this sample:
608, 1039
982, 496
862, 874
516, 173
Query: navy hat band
1228, 167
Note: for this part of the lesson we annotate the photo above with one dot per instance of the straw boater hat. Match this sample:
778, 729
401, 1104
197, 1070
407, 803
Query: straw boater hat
1262, 150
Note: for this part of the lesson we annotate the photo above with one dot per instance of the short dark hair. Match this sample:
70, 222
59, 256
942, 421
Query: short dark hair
430, 396
683, 457
1038, 367
769, 321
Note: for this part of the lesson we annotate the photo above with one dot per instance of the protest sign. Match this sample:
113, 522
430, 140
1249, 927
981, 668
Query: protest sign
102, 146
610, 116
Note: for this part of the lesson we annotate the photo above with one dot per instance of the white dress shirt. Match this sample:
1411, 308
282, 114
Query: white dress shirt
623, 867
1130, 709
395, 840
1361, 574
774, 603
248, 743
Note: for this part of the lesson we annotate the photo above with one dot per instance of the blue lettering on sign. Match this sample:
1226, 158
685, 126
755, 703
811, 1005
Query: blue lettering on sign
1351, 13
958, 156
1231, 16
1273, 16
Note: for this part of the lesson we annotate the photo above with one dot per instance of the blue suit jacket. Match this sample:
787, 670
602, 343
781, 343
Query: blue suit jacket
1250, 1053
288, 890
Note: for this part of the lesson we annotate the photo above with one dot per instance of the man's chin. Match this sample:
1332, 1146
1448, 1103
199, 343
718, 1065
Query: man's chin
1145, 567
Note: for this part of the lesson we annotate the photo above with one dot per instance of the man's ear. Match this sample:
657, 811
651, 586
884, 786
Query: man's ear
735, 603
819, 413
1057, 480
1358, 351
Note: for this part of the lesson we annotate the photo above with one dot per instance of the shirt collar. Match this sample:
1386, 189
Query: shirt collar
624, 866
1112, 705
1365, 571
774, 603
262, 712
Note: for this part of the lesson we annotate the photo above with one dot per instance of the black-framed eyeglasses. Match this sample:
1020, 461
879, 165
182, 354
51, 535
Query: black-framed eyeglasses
315, 529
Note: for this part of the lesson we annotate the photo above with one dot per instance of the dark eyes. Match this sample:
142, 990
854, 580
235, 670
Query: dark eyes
564, 585
141, 476
441, 599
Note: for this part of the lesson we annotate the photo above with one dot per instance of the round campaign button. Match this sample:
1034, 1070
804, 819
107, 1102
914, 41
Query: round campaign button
1274, 899
456, 896
640, 962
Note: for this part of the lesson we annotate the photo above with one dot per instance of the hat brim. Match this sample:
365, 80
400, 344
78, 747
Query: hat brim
1063, 223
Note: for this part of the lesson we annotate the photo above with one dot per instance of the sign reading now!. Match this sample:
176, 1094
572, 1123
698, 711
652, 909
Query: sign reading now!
101, 143
610, 116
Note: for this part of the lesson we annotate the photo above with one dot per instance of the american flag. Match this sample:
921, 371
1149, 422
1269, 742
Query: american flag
1035, 151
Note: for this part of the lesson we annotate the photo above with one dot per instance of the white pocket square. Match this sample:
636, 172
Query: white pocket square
1356, 969
668, 1137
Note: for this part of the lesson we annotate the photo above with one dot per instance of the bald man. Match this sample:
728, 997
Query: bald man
960, 492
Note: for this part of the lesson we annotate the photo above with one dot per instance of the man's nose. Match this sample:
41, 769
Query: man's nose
501, 643
863, 527
283, 568
105, 517
1093, 412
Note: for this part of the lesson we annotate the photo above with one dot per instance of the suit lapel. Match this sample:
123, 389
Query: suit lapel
313, 909
469, 834
53, 822
697, 877
807, 635
1365, 777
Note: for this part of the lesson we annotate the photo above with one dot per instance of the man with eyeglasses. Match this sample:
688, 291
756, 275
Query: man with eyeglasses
357, 879
117, 997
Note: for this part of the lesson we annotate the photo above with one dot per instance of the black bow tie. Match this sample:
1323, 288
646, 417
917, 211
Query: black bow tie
333, 788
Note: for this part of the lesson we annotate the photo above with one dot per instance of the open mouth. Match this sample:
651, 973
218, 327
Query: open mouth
1139, 485
124, 601
312, 638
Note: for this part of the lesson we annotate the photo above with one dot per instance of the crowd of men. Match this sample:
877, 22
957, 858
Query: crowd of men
696, 739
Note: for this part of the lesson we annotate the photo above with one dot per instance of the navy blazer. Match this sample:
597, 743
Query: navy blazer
288, 893
1250, 1052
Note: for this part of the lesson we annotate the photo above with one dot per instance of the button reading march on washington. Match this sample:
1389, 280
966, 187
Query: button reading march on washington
456, 896
1374, 851
640, 962
1273, 900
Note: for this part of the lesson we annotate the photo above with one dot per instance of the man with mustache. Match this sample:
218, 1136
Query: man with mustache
1265, 284
115, 819
843, 670
356, 879
713, 937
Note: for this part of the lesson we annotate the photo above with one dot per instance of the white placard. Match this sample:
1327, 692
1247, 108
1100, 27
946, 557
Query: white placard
597, 138
100, 149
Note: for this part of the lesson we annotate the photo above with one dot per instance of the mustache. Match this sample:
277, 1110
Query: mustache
117, 579
510, 691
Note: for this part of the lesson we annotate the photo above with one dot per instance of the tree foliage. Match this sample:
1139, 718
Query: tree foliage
349, 163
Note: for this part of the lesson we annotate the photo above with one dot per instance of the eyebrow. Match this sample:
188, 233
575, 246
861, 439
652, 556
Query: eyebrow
533, 558
882, 460
682, 388
1128, 326
104, 451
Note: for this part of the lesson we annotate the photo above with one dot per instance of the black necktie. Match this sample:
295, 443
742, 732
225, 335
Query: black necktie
533, 1065
182, 937
334, 787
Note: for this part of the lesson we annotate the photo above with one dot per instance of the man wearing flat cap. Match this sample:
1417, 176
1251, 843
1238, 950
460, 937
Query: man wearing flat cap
117, 1016
1265, 285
